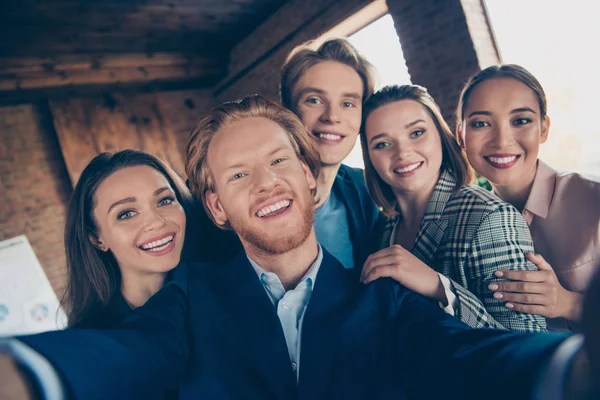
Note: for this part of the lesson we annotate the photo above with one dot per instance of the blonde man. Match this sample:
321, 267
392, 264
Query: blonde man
327, 87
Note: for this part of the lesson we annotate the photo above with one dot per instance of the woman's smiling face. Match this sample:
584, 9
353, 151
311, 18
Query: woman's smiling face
502, 131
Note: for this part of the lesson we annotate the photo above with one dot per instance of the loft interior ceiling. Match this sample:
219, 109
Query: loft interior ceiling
53, 47
49, 27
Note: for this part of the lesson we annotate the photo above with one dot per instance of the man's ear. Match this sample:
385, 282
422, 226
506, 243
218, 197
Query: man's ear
459, 136
545, 129
310, 179
216, 209
97, 242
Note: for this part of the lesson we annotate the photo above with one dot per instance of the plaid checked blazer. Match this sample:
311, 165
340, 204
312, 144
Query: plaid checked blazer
467, 235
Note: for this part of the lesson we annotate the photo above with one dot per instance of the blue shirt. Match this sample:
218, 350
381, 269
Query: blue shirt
333, 231
290, 305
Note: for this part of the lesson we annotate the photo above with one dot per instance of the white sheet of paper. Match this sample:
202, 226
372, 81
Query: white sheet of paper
28, 303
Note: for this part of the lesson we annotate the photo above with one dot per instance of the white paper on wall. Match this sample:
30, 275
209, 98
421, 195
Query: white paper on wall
28, 303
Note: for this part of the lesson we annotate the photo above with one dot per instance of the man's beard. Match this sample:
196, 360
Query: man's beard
279, 245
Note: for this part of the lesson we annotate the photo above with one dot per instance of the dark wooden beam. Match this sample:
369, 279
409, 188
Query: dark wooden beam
107, 72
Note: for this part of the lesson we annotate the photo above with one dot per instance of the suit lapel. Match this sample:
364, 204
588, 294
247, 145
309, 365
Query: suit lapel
245, 299
325, 315
433, 225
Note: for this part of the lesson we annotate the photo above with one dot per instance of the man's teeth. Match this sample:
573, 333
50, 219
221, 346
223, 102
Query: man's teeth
407, 169
502, 160
329, 136
271, 209
159, 245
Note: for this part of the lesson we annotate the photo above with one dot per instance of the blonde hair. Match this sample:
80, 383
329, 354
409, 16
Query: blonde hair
196, 168
454, 159
303, 57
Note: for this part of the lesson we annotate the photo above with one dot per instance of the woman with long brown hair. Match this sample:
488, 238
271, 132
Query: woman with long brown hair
125, 230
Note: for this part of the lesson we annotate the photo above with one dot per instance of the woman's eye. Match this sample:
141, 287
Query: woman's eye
238, 176
479, 124
166, 201
125, 214
382, 145
278, 161
521, 121
417, 133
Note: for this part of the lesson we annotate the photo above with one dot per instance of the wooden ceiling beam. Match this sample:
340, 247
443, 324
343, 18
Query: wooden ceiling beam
26, 74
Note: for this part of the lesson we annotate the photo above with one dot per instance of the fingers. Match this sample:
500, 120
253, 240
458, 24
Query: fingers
527, 276
527, 298
539, 261
385, 256
517, 287
526, 308
379, 272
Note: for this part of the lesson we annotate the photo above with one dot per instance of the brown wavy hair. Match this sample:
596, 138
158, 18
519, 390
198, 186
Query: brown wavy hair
93, 276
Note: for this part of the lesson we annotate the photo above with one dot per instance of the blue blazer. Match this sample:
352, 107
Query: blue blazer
218, 245
214, 329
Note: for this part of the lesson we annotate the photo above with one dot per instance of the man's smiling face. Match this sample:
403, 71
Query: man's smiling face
262, 188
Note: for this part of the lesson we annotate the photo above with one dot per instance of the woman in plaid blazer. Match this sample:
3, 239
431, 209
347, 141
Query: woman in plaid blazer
440, 236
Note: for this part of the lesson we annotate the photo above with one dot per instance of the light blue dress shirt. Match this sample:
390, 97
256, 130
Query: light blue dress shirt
290, 305
333, 230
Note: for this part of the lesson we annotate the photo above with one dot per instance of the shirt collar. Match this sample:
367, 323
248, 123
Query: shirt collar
542, 191
308, 278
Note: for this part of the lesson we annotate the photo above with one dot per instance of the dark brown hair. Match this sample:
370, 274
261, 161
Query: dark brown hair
93, 276
303, 57
501, 71
454, 159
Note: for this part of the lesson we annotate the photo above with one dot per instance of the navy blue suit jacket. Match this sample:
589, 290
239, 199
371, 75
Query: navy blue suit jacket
217, 245
214, 329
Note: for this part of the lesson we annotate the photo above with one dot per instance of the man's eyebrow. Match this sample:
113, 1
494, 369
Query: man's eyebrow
353, 95
309, 89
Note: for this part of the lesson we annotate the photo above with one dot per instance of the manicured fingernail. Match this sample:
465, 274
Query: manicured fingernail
498, 295
499, 274
509, 305
493, 286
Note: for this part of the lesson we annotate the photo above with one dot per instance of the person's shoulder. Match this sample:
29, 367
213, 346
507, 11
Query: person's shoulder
580, 185
473, 198
348, 173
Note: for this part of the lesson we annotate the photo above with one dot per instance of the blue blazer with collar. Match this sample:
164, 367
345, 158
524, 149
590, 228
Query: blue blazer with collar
218, 245
214, 329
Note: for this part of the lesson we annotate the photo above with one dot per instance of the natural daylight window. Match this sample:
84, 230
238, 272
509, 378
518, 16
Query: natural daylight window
555, 40
386, 56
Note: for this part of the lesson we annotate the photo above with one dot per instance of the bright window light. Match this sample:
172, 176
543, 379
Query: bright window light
556, 41
379, 43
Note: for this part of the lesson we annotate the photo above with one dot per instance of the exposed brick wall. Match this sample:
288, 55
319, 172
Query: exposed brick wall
35, 186
444, 42
34, 183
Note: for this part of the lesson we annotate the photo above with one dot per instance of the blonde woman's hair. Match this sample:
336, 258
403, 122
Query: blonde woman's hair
454, 159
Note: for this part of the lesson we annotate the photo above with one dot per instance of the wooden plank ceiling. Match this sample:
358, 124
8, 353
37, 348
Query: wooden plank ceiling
61, 44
